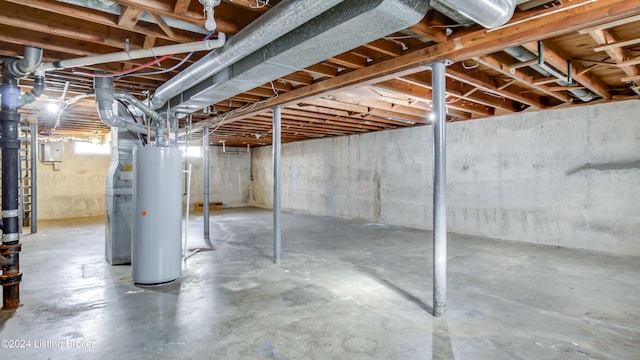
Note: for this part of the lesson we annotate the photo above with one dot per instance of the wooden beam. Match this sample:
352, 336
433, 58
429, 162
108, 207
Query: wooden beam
148, 42
163, 25
231, 23
90, 16
49, 24
564, 88
322, 69
365, 111
349, 60
610, 24
544, 81
617, 54
129, 17
630, 78
181, 7
487, 83
470, 45
424, 28
506, 85
464, 91
634, 61
424, 93
299, 77
495, 64
556, 57
377, 104
618, 44
385, 46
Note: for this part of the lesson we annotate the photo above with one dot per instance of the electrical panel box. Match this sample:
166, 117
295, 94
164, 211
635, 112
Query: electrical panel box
51, 152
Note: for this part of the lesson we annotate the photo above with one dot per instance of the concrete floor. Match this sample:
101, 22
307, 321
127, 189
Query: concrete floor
345, 290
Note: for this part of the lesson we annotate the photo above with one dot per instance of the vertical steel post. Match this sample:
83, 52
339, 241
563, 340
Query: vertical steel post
34, 177
205, 171
439, 190
277, 114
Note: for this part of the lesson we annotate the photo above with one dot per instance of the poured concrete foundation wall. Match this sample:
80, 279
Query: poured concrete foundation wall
76, 190
229, 180
567, 177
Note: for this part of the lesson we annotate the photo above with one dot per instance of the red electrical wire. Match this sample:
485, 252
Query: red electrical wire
143, 66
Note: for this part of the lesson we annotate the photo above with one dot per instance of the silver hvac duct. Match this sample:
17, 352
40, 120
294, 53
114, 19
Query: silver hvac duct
104, 101
284, 17
522, 54
342, 28
488, 13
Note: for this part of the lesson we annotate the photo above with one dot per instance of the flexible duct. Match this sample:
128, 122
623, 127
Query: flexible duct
281, 19
104, 101
488, 13
522, 54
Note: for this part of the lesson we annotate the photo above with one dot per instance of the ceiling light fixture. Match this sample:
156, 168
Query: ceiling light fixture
53, 107
210, 22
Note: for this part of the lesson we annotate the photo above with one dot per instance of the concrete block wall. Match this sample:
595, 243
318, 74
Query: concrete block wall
566, 177
229, 179
76, 190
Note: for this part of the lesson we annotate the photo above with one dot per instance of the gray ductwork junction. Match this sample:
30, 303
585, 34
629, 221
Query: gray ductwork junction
105, 104
341, 28
522, 54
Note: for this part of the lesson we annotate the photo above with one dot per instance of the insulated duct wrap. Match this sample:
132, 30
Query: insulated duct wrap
342, 28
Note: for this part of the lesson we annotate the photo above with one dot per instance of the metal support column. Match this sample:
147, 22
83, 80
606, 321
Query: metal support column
439, 190
34, 177
205, 171
277, 114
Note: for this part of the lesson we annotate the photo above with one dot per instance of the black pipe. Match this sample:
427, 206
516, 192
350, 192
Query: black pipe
10, 144
12, 70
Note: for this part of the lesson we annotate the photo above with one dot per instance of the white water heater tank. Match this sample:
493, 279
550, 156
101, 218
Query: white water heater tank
156, 251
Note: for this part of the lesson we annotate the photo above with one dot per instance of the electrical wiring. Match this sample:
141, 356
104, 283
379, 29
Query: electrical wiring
159, 71
186, 58
144, 141
470, 67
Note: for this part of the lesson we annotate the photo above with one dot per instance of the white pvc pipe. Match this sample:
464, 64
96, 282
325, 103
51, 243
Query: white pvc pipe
186, 221
135, 54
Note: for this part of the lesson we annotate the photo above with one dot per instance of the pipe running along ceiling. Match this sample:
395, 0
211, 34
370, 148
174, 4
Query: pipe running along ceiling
339, 29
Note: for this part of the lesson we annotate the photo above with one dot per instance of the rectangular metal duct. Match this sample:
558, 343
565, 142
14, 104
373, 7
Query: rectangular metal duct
341, 28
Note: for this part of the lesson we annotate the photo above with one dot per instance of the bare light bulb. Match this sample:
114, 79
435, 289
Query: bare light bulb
53, 107
210, 23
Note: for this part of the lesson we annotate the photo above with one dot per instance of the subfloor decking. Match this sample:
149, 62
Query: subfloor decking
345, 290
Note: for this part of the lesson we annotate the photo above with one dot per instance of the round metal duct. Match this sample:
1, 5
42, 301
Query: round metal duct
488, 13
